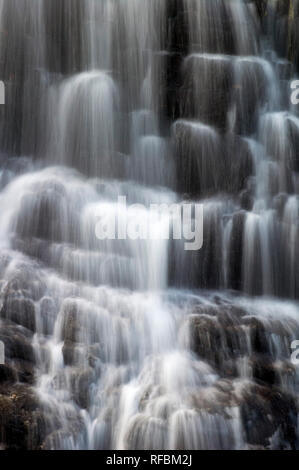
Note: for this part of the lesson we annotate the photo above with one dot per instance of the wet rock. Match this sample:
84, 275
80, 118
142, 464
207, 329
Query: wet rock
7, 374
249, 94
21, 421
285, 70
200, 158
62, 436
59, 440
210, 256
206, 337
218, 341
48, 312
79, 322
294, 140
81, 355
265, 411
261, 7
279, 203
239, 164
177, 39
24, 370
17, 345
246, 200
20, 311
81, 381
43, 213
74, 354
214, 87
259, 336
69, 353
263, 370
235, 251
71, 326
25, 281
146, 433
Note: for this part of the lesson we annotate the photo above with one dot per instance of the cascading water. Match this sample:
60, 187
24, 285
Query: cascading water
141, 344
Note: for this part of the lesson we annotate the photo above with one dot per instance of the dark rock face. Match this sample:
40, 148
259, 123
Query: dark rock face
177, 45
232, 342
21, 421
228, 333
208, 162
215, 86
235, 251
20, 311
266, 412
7, 374
200, 159
217, 335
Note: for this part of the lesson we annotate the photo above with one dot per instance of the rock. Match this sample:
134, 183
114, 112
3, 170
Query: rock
17, 345
81, 381
238, 164
24, 370
58, 440
259, 337
42, 213
79, 322
266, 411
263, 370
261, 7
48, 312
81, 355
71, 353
71, 327
21, 420
177, 46
25, 281
246, 200
218, 341
7, 374
20, 311
249, 94
210, 256
214, 87
206, 337
200, 158
146, 432
235, 251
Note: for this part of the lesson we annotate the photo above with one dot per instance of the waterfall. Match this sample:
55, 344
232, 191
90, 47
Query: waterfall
133, 344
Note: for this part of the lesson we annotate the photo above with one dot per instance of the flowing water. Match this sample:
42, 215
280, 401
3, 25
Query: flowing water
140, 344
